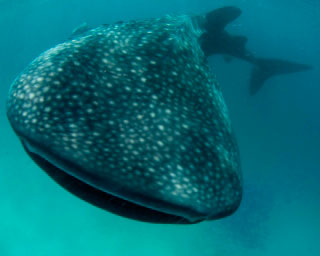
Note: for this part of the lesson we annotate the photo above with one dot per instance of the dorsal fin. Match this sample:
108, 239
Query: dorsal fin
215, 39
218, 19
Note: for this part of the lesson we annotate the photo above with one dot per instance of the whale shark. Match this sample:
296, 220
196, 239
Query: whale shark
130, 118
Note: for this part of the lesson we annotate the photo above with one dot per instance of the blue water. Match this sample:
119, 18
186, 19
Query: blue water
278, 131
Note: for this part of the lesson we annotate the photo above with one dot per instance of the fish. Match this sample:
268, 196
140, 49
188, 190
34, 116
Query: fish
130, 118
216, 40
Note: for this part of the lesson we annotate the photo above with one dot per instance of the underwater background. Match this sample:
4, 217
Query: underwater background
278, 131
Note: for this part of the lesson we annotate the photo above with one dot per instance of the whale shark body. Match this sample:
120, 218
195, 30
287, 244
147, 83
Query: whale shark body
130, 118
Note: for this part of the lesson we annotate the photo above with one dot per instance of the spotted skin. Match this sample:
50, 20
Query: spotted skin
135, 109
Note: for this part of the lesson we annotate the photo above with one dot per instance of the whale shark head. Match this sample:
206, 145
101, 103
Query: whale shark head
129, 118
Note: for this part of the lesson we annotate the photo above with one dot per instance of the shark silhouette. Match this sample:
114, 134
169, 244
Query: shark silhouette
216, 40
129, 117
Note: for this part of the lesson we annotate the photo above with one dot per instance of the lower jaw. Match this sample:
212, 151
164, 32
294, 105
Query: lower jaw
102, 199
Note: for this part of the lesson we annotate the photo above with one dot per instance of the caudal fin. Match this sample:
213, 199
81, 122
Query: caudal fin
263, 69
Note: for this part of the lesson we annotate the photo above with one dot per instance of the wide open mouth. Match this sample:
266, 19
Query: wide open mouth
102, 199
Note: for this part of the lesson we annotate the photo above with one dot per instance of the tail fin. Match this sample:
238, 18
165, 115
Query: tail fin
265, 68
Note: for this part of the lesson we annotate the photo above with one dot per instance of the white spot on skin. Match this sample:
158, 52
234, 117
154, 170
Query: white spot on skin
180, 167
45, 89
185, 126
160, 143
150, 169
161, 127
156, 158
178, 186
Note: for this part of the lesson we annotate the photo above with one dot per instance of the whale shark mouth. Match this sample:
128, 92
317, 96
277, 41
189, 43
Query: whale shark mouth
102, 199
